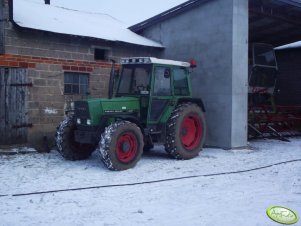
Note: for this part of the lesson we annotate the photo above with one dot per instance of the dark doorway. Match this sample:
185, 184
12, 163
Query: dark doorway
13, 117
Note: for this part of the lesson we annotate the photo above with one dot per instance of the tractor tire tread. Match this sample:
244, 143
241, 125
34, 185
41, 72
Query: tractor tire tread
63, 142
104, 146
170, 141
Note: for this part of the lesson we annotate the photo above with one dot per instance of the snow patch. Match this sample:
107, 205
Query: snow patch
221, 200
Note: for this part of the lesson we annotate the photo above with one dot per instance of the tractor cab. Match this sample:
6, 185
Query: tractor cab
156, 82
263, 71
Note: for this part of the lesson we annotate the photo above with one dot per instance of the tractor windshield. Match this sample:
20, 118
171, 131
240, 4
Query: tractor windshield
134, 79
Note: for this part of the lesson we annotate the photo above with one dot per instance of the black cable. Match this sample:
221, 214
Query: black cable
154, 181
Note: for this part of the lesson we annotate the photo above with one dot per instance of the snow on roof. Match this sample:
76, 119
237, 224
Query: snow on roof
44, 17
290, 46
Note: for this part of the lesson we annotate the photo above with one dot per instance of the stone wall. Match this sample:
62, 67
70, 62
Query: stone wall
47, 56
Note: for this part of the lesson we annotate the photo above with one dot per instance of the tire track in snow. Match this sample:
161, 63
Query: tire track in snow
152, 182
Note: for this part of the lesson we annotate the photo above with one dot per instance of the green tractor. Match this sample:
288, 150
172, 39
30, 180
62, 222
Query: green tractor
149, 102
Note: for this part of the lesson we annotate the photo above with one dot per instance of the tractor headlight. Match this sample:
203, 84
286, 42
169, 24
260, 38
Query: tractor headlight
89, 122
78, 121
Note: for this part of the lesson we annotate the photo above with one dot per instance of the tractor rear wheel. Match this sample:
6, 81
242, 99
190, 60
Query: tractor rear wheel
121, 145
186, 130
66, 145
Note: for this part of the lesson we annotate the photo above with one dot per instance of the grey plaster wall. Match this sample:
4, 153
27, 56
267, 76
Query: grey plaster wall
216, 35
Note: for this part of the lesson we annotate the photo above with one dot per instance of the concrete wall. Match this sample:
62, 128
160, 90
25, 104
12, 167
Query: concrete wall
216, 35
47, 56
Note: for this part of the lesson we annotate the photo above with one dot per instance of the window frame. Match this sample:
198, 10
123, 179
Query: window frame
170, 80
132, 78
174, 81
79, 84
107, 53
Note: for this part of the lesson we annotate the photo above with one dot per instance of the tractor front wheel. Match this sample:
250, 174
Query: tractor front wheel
121, 145
186, 130
66, 145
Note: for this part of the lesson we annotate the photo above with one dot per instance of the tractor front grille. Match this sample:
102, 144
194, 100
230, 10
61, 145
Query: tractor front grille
81, 109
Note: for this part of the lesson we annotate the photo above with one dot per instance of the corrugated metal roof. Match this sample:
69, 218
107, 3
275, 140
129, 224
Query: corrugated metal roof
39, 16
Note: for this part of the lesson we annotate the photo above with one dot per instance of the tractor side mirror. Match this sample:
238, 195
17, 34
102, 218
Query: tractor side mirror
167, 73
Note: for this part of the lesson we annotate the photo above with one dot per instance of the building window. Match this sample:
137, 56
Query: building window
100, 54
76, 83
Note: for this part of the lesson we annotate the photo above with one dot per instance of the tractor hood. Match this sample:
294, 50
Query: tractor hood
93, 109
119, 105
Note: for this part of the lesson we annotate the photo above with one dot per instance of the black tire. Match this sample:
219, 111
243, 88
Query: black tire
121, 145
66, 145
185, 132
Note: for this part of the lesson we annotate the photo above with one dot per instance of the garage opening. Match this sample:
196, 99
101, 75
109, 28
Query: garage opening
274, 108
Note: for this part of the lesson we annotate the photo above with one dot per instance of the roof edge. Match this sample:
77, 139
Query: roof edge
167, 14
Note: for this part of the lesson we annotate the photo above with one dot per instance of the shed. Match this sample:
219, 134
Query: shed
217, 33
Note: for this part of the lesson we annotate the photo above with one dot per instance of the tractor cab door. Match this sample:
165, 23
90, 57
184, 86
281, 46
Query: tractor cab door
161, 99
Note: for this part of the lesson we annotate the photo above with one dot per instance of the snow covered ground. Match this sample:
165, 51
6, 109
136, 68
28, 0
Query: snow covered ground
231, 188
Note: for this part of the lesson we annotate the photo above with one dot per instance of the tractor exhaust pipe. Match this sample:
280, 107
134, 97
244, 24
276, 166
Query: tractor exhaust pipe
111, 82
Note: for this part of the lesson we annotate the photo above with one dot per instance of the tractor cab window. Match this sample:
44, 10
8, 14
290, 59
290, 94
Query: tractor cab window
264, 55
180, 82
134, 79
162, 81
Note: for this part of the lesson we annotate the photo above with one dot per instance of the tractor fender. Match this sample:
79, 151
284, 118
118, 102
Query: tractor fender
197, 101
131, 118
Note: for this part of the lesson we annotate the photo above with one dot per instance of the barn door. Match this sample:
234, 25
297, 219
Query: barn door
13, 117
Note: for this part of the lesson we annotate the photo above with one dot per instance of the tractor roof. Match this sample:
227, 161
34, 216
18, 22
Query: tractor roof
153, 60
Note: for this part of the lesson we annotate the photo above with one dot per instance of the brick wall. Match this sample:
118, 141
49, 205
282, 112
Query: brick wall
46, 102
47, 56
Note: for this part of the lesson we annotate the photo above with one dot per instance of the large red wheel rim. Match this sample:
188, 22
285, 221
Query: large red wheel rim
191, 132
126, 146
